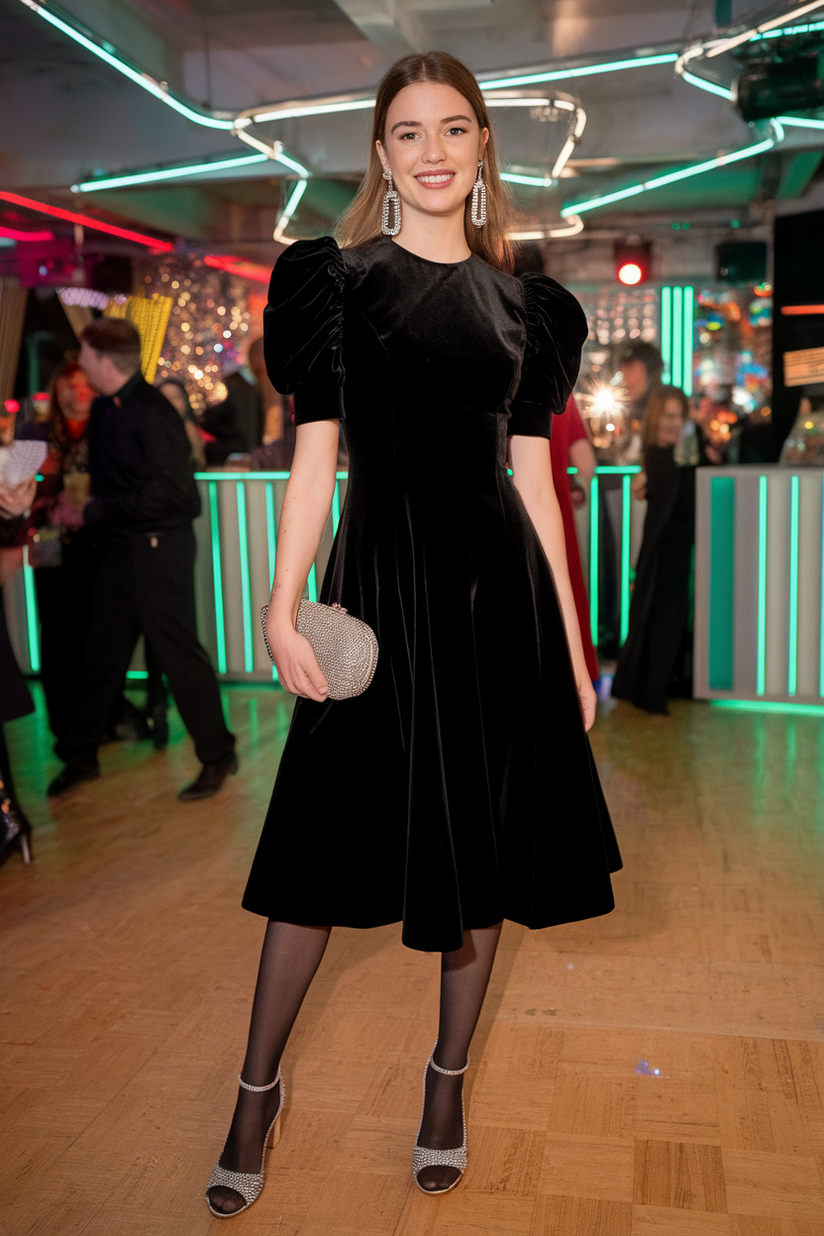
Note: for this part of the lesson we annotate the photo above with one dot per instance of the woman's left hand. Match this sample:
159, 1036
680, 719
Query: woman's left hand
587, 697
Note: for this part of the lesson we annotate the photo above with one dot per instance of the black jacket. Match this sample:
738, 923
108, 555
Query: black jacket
141, 476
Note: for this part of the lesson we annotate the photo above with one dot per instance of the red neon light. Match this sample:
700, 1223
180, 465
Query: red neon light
237, 266
96, 225
12, 233
12, 407
630, 273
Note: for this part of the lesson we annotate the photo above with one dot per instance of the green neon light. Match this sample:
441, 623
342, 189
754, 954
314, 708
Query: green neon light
701, 82
586, 70
514, 178
625, 529
137, 675
688, 325
821, 636
800, 122
135, 75
617, 469
792, 672
798, 710
593, 559
252, 476
761, 639
288, 161
666, 333
721, 616
335, 508
32, 626
668, 178
290, 207
217, 579
677, 354
312, 584
245, 590
168, 173
271, 543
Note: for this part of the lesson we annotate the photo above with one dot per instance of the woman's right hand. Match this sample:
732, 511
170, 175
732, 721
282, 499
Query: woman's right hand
296, 663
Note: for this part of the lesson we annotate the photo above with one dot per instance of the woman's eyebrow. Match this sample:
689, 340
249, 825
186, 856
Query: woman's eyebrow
416, 124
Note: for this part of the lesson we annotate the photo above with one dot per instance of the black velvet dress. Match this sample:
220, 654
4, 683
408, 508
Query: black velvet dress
459, 789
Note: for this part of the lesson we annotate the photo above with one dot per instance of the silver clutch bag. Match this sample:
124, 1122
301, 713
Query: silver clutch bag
346, 648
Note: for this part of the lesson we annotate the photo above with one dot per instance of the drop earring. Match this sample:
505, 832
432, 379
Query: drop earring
477, 211
391, 204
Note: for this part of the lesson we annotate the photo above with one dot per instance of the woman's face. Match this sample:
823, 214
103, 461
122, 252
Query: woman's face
670, 423
175, 397
75, 396
432, 145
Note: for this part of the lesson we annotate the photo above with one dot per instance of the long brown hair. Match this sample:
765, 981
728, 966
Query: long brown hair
361, 222
654, 408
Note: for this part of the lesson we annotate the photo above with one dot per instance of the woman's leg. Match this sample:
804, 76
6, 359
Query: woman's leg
290, 957
464, 979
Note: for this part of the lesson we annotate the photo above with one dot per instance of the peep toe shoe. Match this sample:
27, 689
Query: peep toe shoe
247, 1184
423, 1156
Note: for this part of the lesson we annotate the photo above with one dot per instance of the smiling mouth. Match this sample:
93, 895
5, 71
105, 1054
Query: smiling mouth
435, 179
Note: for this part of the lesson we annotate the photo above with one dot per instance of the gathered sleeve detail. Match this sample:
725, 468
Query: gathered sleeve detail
556, 332
303, 329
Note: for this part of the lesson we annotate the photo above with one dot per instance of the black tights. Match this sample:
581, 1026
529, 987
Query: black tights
290, 958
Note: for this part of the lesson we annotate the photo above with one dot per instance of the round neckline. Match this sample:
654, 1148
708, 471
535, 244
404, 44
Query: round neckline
429, 261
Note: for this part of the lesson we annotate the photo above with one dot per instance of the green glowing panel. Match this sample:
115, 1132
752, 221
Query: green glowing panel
312, 584
677, 337
821, 633
593, 559
271, 543
31, 614
798, 710
792, 668
137, 675
245, 590
217, 578
626, 513
761, 644
722, 583
688, 326
335, 508
666, 333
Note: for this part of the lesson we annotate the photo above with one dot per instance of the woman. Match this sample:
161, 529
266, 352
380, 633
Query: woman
571, 446
659, 617
428, 792
178, 397
65, 555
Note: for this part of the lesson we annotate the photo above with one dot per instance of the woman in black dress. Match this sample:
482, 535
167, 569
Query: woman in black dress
656, 659
459, 789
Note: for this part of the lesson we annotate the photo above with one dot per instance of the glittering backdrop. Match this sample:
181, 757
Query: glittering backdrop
213, 320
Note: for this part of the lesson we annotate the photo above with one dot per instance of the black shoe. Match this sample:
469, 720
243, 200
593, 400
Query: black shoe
71, 776
160, 727
210, 779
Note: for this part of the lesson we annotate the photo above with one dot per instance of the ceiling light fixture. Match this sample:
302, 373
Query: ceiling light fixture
11, 233
238, 266
668, 178
97, 225
572, 227
584, 70
107, 53
728, 44
288, 210
166, 173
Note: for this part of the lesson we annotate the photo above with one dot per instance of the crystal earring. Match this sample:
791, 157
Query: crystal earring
391, 200
478, 209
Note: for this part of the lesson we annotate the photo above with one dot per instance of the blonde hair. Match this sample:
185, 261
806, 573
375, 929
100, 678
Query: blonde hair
362, 220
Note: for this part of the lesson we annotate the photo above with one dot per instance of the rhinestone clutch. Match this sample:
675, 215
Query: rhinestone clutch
346, 648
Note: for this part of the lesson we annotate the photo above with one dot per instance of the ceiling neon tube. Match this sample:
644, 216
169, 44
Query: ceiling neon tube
108, 54
12, 233
71, 216
166, 173
584, 70
668, 178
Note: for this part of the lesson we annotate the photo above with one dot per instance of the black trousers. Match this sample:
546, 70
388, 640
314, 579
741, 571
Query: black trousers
147, 584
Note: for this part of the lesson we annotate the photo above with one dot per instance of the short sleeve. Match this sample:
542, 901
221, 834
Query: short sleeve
556, 331
303, 329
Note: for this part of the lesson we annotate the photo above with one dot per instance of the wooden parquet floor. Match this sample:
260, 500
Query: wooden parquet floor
658, 1072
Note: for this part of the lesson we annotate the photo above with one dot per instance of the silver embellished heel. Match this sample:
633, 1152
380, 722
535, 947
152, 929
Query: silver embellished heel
247, 1184
423, 1156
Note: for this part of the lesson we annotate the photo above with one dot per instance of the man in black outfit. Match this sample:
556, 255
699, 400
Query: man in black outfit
145, 495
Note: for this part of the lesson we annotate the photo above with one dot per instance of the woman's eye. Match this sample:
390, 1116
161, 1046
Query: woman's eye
456, 129
403, 136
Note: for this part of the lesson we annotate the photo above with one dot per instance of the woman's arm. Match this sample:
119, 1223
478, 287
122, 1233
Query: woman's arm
306, 506
532, 474
582, 457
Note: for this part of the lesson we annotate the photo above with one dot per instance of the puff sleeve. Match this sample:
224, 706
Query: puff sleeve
303, 329
556, 331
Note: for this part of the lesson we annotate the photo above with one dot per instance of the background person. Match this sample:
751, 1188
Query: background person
145, 495
659, 646
178, 397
